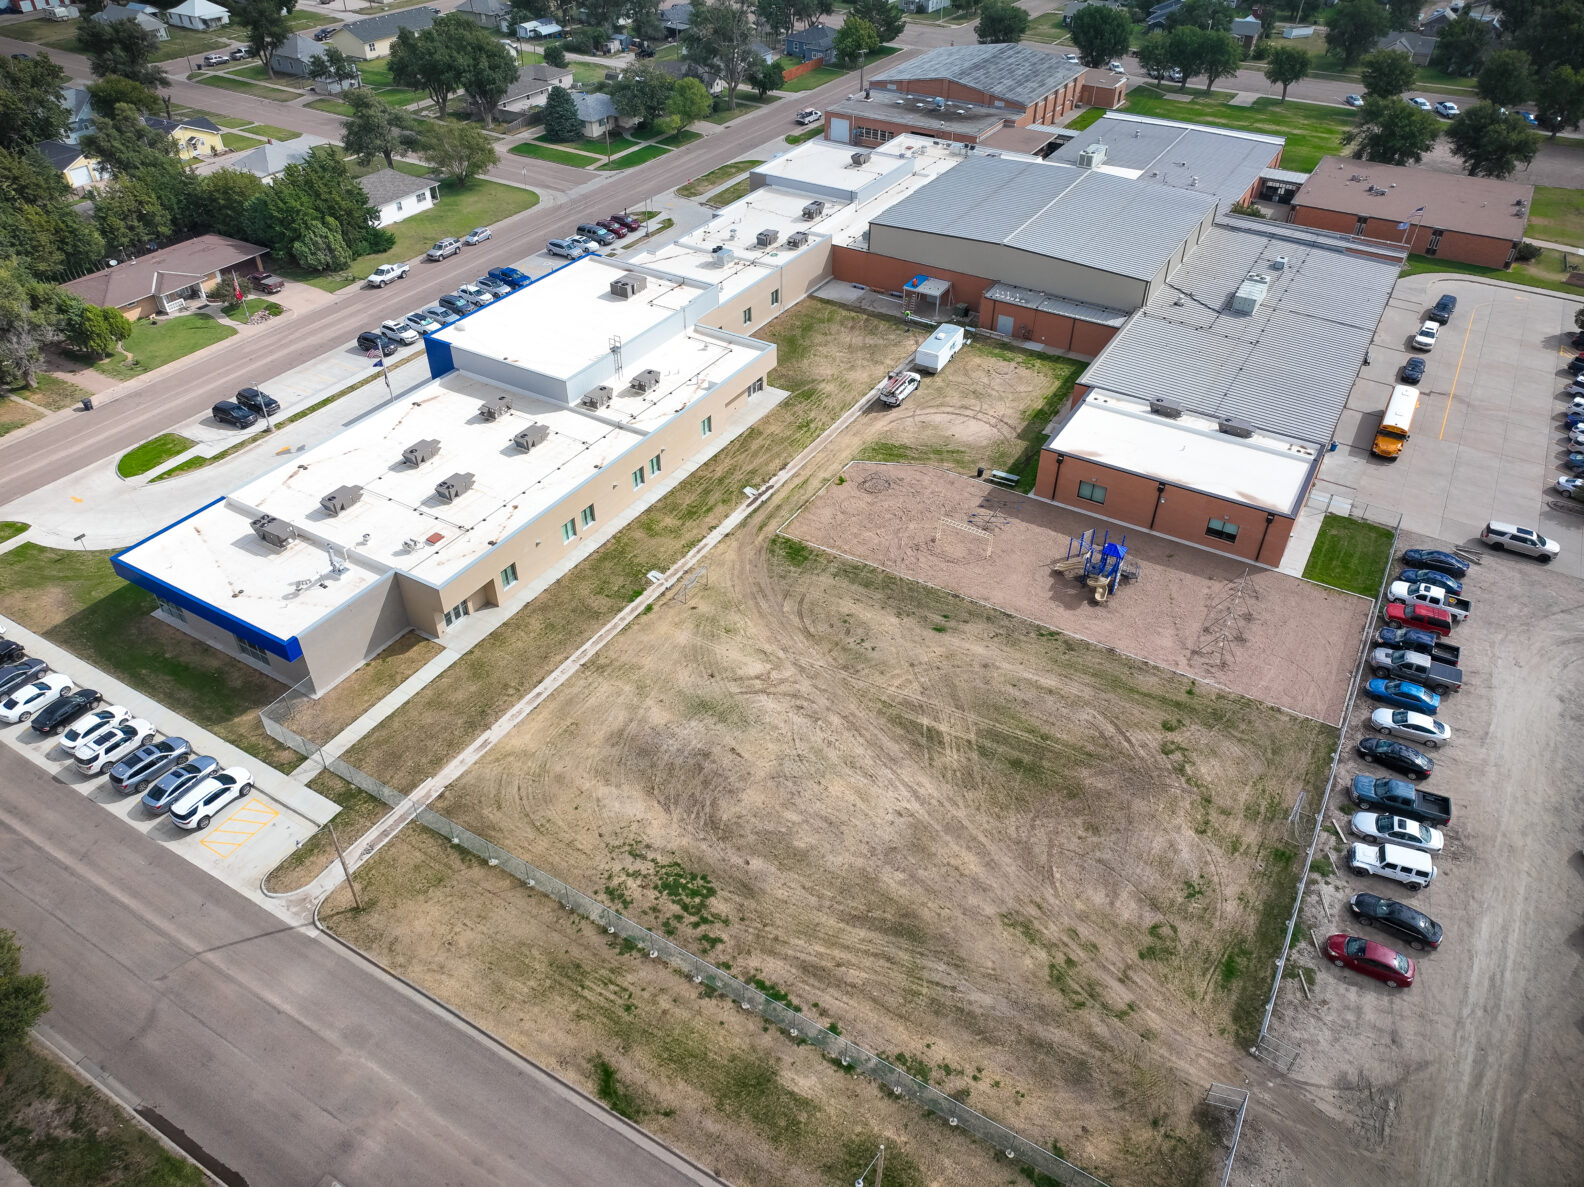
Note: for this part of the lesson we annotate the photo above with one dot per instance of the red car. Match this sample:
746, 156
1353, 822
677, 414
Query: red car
1425, 618
633, 224
611, 225
265, 283
1371, 959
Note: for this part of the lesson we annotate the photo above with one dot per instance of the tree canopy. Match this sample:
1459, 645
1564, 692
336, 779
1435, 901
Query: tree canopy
1387, 72
264, 22
122, 48
718, 38
1100, 34
1392, 131
30, 101
642, 91
460, 151
375, 128
1286, 65
856, 36
884, 16
1491, 143
689, 102
1353, 27
561, 122
1461, 46
1001, 22
1505, 79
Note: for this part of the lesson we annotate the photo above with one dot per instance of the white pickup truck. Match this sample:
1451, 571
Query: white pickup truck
1423, 594
386, 273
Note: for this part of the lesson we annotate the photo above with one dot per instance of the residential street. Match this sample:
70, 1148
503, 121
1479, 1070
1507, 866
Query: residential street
312, 1062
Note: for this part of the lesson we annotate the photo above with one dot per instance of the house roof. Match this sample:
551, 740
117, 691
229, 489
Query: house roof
678, 69
818, 35
591, 108
171, 127
269, 159
536, 78
677, 16
164, 271
298, 48
1220, 161
378, 28
1013, 72
59, 154
200, 8
1411, 43
118, 12
388, 186
760, 50
484, 7
1451, 201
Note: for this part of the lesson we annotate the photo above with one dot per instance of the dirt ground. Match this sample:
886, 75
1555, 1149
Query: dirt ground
1473, 1075
1186, 611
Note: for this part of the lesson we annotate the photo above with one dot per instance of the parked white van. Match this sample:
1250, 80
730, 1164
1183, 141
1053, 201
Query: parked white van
939, 347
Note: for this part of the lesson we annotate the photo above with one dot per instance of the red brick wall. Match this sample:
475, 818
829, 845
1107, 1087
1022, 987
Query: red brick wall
1110, 97
1484, 250
889, 275
1055, 330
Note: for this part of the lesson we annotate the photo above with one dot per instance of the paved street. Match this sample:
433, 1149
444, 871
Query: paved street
312, 1063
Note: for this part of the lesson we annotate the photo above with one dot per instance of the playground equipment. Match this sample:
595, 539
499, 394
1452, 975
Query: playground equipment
1099, 563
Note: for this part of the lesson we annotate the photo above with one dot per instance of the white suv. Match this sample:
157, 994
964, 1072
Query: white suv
1425, 339
1397, 862
1506, 536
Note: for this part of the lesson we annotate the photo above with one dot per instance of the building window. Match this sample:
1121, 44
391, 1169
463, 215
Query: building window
457, 613
775, 298
748, 316
1092, 491
251, 649
756, 386
172, 610
638, 478
1358, 227
587, 516
398, 208
878, 135
569, 531
1435, 242
654, 465
509, 576
705, 427
1220, 529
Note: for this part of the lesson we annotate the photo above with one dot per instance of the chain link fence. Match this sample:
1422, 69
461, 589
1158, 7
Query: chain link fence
1339, 504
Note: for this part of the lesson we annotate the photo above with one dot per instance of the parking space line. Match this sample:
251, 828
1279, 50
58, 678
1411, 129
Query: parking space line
240, 827
1456, 373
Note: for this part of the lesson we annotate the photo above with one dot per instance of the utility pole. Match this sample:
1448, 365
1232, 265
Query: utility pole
356, 898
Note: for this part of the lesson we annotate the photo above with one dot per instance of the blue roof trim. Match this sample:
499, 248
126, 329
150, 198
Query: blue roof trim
438, 349
439, 356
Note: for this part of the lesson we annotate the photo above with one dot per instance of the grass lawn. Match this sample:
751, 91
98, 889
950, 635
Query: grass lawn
60, 1132
800, 137
251, 306
231, 121
708, 181
152, 346
237, 142
680, 139
53, 392
1311, 129
746, 101
730, 194
1543, 273
273, 94
184, 42
1047, 27
1350, 554
151, 453
618, 144
587, 74
556, 156
333, 106
47, 33
10, 529
638, 156
814, 79
14, 414
1084, 119
1558, 215
255, 72
397, 97
332, 283
272, 132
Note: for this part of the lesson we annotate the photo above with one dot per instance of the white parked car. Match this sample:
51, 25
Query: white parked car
1396, 830
1425, 339
475, 294
30, 698
85, 727
1416, 727
1408, 866
100, 751
1421, 104
476, 236
1568, 485
400, 331
1069, 57
1446, 109
386, 273
196, 808
1510, 538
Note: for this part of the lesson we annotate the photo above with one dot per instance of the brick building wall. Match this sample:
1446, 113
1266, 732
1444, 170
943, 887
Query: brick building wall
1484, 250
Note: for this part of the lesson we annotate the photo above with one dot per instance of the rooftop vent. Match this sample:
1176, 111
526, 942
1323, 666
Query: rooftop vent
420, 452
1092, 157
274, 532
454, 487
767, 237
1170, 409
535, 434
940, 103
1250, 293
1234, 426
1279, 264
796, 240
862, 158
723, 256
629, 284
495, 407
813, 210
598, 398
646, 380
341, 498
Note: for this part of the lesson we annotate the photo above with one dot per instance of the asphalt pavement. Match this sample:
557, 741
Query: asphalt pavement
279, 1055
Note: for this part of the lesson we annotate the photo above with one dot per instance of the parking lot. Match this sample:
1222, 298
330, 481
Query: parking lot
1473, 1074
1487, 441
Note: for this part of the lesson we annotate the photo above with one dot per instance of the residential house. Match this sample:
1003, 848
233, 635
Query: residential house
597, 112
371, 37
1416, 45
395, 196
269, 161
925, 5
165, 280
762, 51
37, 5
817, 41
675, 20
80, 171
491, 14
1247, 30
541, 28
196, 136
1156, 19
679, 70
197, 14
118, 12
295, 57
79, 113
1077, 6
533, 85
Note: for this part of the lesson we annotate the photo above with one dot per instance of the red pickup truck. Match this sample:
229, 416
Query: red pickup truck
1424, 618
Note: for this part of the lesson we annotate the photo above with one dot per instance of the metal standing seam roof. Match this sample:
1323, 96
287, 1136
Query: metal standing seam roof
1058, 211
377, 28
1012, 294
1288, 367
1013, 72
1220, 161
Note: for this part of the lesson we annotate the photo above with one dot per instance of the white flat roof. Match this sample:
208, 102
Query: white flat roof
1264, 471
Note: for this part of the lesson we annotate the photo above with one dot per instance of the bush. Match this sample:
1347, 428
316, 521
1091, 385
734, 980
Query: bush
1247, 211
1528, 251
555, 55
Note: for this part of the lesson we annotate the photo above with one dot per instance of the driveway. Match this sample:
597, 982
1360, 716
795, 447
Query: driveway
276, 1054
1487, 440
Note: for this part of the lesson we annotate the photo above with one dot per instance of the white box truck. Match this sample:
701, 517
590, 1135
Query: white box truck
938, 348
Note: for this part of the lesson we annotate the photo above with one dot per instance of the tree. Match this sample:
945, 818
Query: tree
641, 93
1001, 22
1154, 55
320, 249
374, 129
1403, 14
1578, 317
690, 102
460, 151
718, 36
1559, 100
121, 48
1491, 143
427, 63
29, 321
856, 36
226, 194
561, 122
885, 16
490, 71
30, 101
555, 55
1187, 47
1461, 46
1387, 72
1392, 131
1287, 64
264, 22
1221, 55
1551, 32
1101, 34
765, 77
128, 214
1505, 79
105, 95
1211, 15
1353, 27
332, 66
24, 998
93, 329
775, 15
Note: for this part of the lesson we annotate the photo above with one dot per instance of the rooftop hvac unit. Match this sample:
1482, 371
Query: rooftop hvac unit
1167, 408
454, 487
1092, 157
273, 532
796, 240
862, 158
1250, 293
1234, 426
495, 407
813, 210
341, 498
767, 237
1279, 264
629, 284
598, 398
535, 434
940, 103
646, 380
420, 452
722, 256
